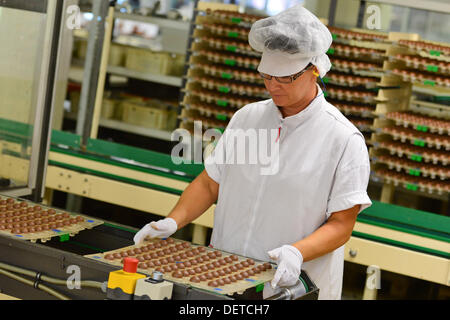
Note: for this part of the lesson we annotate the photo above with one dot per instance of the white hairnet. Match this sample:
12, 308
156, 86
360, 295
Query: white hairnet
297, 35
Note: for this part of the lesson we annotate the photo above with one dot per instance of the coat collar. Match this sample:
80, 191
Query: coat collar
301, 117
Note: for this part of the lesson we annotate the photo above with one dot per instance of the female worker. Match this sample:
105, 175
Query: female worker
303, 213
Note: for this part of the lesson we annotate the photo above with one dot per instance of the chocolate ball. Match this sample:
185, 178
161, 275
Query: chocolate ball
143, 265
185, 273
209, 276
109, 256
201, 249
177, 274
220, 282
170, 259
38, 228
180, 265
163, 243
211, 254
117, 255
167, 269
189, 254
150, 264
250, 272
198, 269
226, 280
137, 251
239, 276
216, 264
53, 211
212, 283
234, 257
195, 279
215, 274
245, 264
173, 249
233, 268
157, 245
154, 255
202, 277
179, 246
123, 254
164, 261
187, 264
195, 251
267, 265
232, 278
186, 245
218, 254
150, 247
250, 261
157, 263
204, 268
170, 240
191, 272
245, 274
167, 251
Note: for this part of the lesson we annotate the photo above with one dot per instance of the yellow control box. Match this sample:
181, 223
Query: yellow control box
122, 283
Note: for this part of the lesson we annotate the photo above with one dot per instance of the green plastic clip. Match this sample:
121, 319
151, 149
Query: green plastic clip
226, 75
326, 79
64, 237
432, 68
334, 36
429, 82
410, 186
222, 103
224, 89
330, 51
233, 34
259, 287
231, 48
418, 142
220, 130
413, 172
236, 20
422, 128
230, 62
435, 53
222, 117
416, 157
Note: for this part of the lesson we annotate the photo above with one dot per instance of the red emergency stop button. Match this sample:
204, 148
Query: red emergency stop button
130, 264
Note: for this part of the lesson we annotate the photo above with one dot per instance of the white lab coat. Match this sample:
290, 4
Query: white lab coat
323, 168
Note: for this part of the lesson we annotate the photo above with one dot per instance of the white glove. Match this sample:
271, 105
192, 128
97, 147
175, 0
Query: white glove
160, 229
289, 260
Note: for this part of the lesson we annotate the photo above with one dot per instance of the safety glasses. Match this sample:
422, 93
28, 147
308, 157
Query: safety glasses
286, 79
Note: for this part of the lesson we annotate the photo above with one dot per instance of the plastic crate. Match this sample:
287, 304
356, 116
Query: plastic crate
143, 60
144, 115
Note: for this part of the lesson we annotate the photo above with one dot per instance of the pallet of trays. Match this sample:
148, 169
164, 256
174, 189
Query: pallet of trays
225, 87
351, 95
217, 43
340, 33
356, 109
413, 167
352, 52
29, 221
417, 138
414, 153
229, 59
356, 67
424, 78
428, 49
228, 73
225, 30
410, 182
191, 116
349, 80
232, 18
420, 122
424, 64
